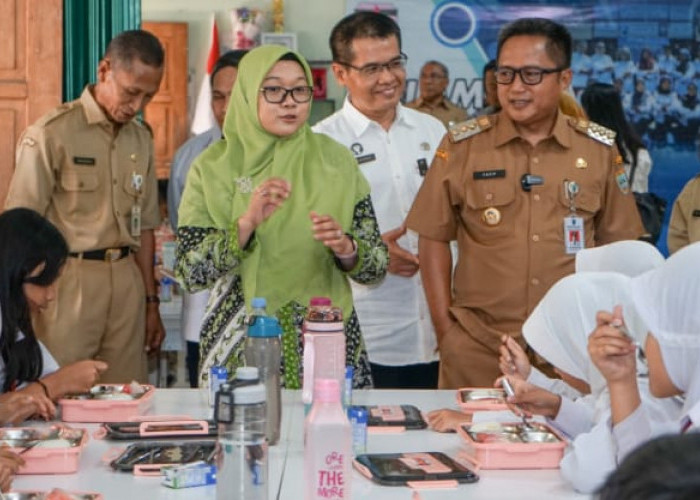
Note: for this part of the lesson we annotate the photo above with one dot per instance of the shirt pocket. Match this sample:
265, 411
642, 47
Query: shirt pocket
586, 201
490, 208
79, 195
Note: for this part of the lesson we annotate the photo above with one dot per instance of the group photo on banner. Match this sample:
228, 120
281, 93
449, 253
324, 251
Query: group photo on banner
647, 52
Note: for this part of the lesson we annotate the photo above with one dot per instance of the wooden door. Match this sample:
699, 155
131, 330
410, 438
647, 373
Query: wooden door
31, 72
167, 112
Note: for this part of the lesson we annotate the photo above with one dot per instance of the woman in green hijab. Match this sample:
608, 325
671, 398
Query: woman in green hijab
274, 210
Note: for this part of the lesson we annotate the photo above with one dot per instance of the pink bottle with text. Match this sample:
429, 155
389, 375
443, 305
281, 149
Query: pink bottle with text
324, 345
327, 445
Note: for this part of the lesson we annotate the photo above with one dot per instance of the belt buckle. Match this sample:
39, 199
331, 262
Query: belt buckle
113, 254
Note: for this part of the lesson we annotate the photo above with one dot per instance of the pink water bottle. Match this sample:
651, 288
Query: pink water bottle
327, 445
324, 345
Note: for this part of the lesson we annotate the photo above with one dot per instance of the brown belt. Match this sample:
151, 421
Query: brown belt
105, 254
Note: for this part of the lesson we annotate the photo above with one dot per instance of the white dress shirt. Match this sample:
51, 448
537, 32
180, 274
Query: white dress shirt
394, 315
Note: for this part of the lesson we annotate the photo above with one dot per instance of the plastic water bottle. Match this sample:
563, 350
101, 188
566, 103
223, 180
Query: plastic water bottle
246, 375
263, 350
324, 345
258, 308
242, 462
327, 446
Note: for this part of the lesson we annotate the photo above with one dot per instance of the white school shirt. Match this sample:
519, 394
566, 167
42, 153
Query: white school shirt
394, 315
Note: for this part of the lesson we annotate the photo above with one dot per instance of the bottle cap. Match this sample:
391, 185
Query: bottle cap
320, 301
258, 303
265, 326
358, 414
247, 373
326, 390
249, 394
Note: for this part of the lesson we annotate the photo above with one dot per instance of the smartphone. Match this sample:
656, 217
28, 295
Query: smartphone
398, 469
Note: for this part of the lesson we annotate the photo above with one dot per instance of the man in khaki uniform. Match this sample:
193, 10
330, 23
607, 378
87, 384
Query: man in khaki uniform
684, 226
87, 166
433, 81
521, 192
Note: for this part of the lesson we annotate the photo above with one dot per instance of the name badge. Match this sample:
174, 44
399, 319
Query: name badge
135, 221
574, 236
365, 158
489, 174
83, 160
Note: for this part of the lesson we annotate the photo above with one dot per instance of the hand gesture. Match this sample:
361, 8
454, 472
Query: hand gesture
9, 464
401, 261
447, 420
530, 399
265, 200
328, 231
75, 378
611, 350
17, 406
513, 361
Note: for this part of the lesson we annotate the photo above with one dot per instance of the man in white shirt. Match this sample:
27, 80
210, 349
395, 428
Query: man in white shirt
393, 146
222, 78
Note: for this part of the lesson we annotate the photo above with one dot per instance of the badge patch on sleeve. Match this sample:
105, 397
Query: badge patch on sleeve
622, 180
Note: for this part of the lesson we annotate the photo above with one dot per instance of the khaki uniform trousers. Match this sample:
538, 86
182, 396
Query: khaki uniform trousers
99, 313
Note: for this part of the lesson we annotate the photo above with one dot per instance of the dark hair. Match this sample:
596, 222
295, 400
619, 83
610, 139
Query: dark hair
602, 104
229, 59
489, 66
442, 67
26, 241
666, 468
135, 44
558, 44
363, 24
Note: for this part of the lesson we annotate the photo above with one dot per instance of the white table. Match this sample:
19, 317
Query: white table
286, 459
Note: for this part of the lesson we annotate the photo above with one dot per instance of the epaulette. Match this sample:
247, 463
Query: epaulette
464, 130
55, 113
594, 131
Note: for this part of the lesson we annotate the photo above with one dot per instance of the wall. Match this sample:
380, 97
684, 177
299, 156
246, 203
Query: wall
312, 37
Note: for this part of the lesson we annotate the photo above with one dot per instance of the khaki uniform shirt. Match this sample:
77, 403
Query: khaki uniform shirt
74, 168
684, 226
511, 242
444, 111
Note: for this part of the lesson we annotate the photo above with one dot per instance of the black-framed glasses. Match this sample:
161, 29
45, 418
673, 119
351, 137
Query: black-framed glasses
529, 75
373, 70
275, 94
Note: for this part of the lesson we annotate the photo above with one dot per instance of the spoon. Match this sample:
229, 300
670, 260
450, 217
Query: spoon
510, 392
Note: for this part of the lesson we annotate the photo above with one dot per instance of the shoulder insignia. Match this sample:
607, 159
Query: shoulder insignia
594, 131
28, 141
463, 130
623, 182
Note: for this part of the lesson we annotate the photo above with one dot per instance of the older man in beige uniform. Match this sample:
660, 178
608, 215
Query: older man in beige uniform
433, 81
88, 167
521, 192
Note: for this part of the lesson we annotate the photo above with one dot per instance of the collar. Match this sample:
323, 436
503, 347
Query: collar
442, 103
506, 131
93, 112
359, 122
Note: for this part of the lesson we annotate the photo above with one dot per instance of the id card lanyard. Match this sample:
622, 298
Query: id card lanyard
137, 184
574, 236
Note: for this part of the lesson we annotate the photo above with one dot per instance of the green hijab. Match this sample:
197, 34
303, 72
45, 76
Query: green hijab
285, 263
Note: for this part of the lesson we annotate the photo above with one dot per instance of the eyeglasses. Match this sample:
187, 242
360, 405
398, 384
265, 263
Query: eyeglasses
277, 95
373, 70
529, 75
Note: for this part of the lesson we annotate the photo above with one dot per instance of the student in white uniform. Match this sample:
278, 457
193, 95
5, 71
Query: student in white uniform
32, 253
667, 300
629, 257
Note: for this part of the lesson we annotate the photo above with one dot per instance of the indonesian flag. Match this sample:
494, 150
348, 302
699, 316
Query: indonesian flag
203, 118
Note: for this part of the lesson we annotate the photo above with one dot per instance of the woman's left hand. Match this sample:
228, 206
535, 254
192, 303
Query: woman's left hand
328, 231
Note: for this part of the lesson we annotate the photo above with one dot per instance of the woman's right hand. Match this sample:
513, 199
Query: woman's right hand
446, 420
17, 406
612, 352
513, 361
264, 201
530, 399
9, 464
75, 378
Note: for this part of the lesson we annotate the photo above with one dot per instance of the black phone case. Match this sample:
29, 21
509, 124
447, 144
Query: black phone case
387, 469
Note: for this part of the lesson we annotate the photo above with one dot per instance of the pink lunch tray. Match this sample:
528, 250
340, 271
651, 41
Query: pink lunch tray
106, 410
471, 399
491, 450
55, 494
46, 460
